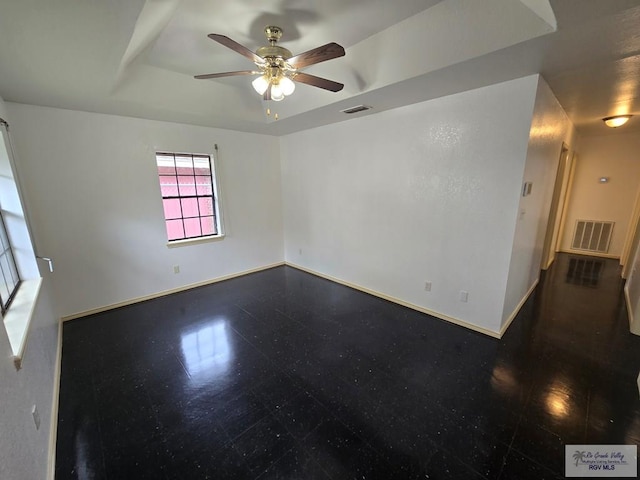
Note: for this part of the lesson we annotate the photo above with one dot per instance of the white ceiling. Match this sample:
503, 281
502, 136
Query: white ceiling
138, 58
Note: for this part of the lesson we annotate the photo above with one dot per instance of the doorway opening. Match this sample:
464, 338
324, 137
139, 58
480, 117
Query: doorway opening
558, 204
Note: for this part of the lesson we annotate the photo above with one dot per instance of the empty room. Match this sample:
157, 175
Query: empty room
319, 240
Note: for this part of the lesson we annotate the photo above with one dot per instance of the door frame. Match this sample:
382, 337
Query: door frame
557, 209
632, 238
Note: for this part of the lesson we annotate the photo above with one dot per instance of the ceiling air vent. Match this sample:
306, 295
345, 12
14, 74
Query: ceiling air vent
356, 109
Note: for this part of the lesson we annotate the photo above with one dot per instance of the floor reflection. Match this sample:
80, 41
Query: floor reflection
207, 351
584, 271
557, 399
503, 380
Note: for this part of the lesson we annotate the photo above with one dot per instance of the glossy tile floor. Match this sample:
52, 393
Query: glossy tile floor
283, 375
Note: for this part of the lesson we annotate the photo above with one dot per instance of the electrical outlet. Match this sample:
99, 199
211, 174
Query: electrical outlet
36, 417
176, 269
299, 251
464, 296
427, 286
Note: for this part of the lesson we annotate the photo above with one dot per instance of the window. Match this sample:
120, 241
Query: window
9, 278
20, 278
188, 187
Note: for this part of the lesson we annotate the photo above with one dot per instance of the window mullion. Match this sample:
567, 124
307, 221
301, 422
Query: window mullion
183, 205
11, 265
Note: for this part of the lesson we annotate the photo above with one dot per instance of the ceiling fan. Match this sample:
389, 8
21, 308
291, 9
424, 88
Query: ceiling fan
277, 67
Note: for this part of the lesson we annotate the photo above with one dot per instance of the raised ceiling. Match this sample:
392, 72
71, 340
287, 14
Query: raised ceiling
138, 58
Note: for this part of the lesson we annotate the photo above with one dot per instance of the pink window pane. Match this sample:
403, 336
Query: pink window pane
192, 227
166, 165
208, 226
174, 229
189, 207
171, 208
206, 206
201, 166
168, 186
203, 185
186, 185
184, 165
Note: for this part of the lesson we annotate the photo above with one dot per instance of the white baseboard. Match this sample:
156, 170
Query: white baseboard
384, 296
53, 428
590, 254
412, 306
518, 308
168, 292
635, 329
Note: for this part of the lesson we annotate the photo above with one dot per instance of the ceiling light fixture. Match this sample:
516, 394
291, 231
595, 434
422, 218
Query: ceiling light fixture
287, 85
275, 79
260, 84
616, 121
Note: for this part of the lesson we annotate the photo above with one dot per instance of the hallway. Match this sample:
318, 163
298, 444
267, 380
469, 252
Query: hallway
281, 374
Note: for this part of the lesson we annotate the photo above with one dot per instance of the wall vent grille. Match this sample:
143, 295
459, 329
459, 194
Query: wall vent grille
356, 109
592, 236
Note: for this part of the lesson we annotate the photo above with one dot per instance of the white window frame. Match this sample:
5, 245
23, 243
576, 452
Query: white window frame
11, 277
18, 316
219, 223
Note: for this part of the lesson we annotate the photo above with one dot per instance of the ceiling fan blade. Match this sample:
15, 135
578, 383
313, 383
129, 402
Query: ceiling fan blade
226, 74
317, 55
235, 46
318, 82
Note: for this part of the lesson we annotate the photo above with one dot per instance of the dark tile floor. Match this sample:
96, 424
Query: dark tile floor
283, 375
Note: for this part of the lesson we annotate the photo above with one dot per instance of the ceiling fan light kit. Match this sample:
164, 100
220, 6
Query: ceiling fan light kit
260, 84
276, 79
277, 67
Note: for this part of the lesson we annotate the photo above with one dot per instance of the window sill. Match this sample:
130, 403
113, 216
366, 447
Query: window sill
192, 241
18, 319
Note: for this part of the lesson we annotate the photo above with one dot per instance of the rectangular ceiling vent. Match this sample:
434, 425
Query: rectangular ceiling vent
356, 109
592, 236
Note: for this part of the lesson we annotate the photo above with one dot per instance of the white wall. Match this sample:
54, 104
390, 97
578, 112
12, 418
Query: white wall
94, 200
550, 127
614, 156
427, 192
632, 286
23, 449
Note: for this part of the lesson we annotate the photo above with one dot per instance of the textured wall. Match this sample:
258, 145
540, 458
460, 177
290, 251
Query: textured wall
427, 192
632, 286
550, 127
93, 196
614, 156
23, 449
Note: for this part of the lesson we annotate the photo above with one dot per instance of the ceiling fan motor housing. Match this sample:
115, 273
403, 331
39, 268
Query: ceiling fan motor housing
273, 51
273, 34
